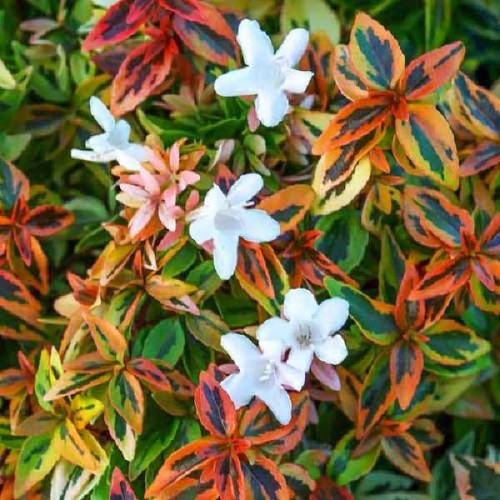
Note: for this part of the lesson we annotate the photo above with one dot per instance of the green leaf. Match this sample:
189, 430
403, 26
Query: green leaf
12, 146
476, 478
165, 342
344, 239
180, 262
442, 485
313, 15
208, 328
392, 267
153, 441
343, 468
205, 278
127, 398
7, 81
37, 458
374, 318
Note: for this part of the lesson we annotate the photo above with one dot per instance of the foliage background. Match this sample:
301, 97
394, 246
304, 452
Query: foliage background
46, 113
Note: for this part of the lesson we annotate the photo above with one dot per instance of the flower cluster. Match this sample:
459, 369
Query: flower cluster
287, 348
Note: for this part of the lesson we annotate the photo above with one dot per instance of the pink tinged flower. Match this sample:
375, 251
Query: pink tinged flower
113, 144
268, 75
308, 329
224, 219
262, 374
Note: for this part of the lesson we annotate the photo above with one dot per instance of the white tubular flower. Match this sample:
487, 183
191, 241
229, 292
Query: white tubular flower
227, 218
267, 75
113, 144
308, 329
262, 374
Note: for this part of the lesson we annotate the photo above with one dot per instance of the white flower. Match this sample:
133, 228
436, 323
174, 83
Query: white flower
268, 75
226, 218
114, 144
262, 374
308, 329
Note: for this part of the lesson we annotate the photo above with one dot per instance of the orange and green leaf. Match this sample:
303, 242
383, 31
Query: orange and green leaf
375, 54
126, 396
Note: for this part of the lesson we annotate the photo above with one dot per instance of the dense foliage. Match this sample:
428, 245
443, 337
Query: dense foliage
358, 192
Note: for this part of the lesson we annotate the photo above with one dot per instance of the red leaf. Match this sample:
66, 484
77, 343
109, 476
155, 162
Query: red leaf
229, 479
16, 298
432, 70
326, 489
148, 372
191, 10
407, 362
211, 38
120, 488
144, 69
252, 267
258, 425
353, 122
114, 26
215, 409
263, 479
188, 459
46, 220
406, 454
486, 155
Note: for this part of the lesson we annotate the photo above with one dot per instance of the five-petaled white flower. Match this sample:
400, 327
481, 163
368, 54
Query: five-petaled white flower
113, 144
268, 75
308, 329
262, 373
226, 218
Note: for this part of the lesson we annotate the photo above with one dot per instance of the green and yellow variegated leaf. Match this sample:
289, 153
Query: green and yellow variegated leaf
38, 456
428, 142
110, 343
85, 410
70, 481
73, 448
374, 318
208, 328
44, 379
74, 382
126, 396
345, 468
121, 432
342, 194
452, 344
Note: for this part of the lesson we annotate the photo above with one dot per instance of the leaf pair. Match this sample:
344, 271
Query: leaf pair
171, 24
221, 463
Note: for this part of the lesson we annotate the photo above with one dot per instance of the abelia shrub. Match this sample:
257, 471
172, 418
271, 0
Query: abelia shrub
277, 277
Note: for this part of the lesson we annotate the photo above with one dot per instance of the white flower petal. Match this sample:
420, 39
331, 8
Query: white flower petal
276, 329
126, 160
277, 400
137, 151
225, 253
331, 316
332, 350
301, 358
202, 230
101, 114
291, 376
299, 305
237, 82
293, 47
81, 154
99, 143
118, 137
271, 107
255, 44
258, 226
244, 189
239, 388
297, 81
241, 350
272, 349
215, 199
